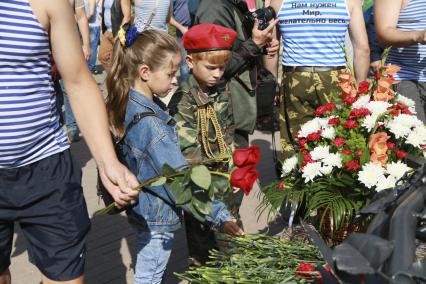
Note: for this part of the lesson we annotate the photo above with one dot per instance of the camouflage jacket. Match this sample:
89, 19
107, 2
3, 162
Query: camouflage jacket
184, 106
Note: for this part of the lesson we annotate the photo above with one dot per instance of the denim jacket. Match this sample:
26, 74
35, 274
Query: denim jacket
147, 146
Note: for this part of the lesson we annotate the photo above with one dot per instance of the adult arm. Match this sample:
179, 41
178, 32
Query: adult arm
359, 40
386, 14
86, 100
92, 8
183, 29
83, 25
126, 10
271, 60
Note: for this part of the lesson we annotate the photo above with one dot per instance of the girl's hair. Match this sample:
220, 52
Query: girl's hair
216, 57
150, 47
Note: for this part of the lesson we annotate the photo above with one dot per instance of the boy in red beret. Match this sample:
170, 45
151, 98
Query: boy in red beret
203, 113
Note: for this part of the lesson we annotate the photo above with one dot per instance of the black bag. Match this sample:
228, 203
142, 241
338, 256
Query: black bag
101, 190
265, 92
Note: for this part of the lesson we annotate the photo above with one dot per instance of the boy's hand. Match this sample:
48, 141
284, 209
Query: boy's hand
231, 228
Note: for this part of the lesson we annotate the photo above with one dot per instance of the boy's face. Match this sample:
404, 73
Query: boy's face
207, 74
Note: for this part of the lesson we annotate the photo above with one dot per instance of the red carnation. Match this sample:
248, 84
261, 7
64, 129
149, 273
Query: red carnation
352, 165
307, 158
339, 142
350, 124
363, 87
359, 112
358, 153
247, 157
320, 110
314, 136
329, 106
302, 142
348, 100
334, 121
281, 185
401, 154
308, 271
244, 178
346, 152
390, 145
377, 75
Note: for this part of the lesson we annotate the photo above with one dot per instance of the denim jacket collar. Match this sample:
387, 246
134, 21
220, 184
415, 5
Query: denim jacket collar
156, 105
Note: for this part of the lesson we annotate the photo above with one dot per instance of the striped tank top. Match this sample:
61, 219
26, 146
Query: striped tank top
411, 59
29, 120
311, 31
144, 9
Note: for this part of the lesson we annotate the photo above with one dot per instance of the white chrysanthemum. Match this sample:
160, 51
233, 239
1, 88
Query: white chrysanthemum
311, 171
326, 170
323, 121
401, 125
328, 132
407, 101
397, 170
289, 165
361, 102
417, 137
370, 174
309, 127
320, 152
333, 160
369, 122
385, 183
377, 107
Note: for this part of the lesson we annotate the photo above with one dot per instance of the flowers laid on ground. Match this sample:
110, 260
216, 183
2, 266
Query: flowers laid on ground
351, 149
195, 185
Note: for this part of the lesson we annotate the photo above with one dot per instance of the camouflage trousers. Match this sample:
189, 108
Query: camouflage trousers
301, 94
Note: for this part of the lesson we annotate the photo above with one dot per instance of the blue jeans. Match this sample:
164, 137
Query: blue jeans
184, 69
95, 34
154, 249
70, 122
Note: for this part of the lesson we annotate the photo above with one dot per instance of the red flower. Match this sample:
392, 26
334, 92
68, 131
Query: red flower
350, 124
348, 100
281, 185
401, 154
352, 165
377, 75
363, 87
339, 142
334, 121
346, 152
307, 158
359, 112
308, 271
358, 153
314, 136
390, 145
329, 106
244, 178
245, 157
302, 142
320, 110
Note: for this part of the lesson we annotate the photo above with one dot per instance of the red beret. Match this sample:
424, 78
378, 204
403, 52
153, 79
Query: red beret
208, 37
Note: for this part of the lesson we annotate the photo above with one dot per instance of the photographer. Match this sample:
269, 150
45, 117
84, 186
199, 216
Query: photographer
243, 69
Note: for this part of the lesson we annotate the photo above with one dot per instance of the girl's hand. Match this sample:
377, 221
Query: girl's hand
231, 228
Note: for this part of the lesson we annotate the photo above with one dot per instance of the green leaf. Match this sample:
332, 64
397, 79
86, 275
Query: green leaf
365, 157
201, 176
159, 181
195, 213
182, 194
202, 203
168, 170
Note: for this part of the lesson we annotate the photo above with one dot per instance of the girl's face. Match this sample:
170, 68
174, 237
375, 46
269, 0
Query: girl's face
160, 81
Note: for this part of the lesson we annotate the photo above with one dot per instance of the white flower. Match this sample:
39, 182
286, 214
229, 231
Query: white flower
333, 160
397, 170
328, 132
323, 121
407, 101
311, 170
385, 183
401, 125
377, 107
361, 102
309, 127
417, 137
289, 165
369, 122
320, 152
326, 170
370, 174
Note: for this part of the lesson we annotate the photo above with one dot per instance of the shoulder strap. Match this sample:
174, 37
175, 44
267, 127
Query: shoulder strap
152, 15
134, 121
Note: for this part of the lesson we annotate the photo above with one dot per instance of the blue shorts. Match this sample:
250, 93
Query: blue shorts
46, 200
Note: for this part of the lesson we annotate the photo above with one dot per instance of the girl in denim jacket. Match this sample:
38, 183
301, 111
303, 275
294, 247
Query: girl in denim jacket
144, 67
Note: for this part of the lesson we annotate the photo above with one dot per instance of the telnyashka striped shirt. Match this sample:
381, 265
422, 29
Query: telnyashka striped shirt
29, 120
411, 59
311, 31
144, 9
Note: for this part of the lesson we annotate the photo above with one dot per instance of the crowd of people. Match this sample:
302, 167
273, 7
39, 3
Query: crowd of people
224, 58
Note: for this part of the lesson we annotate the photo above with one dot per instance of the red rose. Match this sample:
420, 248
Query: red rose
352, 165
390, 145
346, 152
307, 271
314, 136
350, 124
363, 87
244, 178
245, 157
334, 121
339, 142
377, 75
320, 110
401, 154
329, 106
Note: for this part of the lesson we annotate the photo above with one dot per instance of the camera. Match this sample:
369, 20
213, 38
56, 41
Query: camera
263, 15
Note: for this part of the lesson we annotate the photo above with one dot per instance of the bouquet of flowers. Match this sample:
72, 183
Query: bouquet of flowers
350, 150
